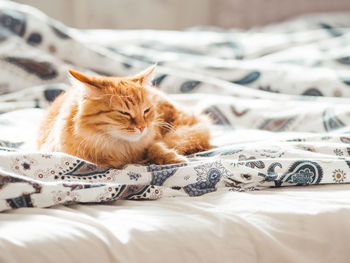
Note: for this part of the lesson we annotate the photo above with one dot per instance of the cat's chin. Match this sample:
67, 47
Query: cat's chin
128, 137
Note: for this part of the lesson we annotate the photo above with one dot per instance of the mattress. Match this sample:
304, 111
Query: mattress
273, 190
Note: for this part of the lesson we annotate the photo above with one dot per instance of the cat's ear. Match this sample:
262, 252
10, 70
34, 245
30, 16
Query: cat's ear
145, 76
90, 86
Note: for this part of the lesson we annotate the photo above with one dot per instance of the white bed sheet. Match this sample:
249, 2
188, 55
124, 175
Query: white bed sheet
292, 224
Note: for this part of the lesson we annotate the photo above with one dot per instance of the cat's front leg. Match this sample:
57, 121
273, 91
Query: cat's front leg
159, 153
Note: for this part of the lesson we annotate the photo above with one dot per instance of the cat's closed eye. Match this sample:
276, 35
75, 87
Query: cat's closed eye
147, 110
124, 113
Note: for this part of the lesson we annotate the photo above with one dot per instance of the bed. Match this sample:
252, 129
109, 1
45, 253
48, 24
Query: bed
273, 190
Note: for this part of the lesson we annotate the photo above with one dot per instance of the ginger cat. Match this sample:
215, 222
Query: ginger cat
114, 121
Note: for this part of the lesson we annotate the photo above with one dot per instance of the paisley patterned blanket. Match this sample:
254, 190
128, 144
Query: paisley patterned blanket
278, 94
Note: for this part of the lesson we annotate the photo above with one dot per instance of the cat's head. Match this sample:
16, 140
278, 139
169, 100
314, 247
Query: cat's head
120, 107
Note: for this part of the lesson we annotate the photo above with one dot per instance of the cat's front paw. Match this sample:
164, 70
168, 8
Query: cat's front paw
179, 159
170, 158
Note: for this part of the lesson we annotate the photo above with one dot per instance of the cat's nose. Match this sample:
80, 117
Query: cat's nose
141, 128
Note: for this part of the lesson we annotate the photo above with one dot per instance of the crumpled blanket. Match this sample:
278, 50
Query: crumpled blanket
278, 96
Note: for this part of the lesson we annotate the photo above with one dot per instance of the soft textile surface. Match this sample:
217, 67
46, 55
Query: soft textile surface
259, 86
290, 224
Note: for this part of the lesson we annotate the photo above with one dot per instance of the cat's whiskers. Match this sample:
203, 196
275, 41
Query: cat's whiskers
164, 124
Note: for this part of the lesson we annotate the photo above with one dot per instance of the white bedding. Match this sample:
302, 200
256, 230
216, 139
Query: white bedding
303, 224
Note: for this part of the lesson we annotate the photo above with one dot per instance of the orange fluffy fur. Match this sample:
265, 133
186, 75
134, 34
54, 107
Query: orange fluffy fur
114, 121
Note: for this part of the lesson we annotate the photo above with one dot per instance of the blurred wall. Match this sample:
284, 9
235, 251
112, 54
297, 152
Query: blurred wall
248, 13
179, 14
